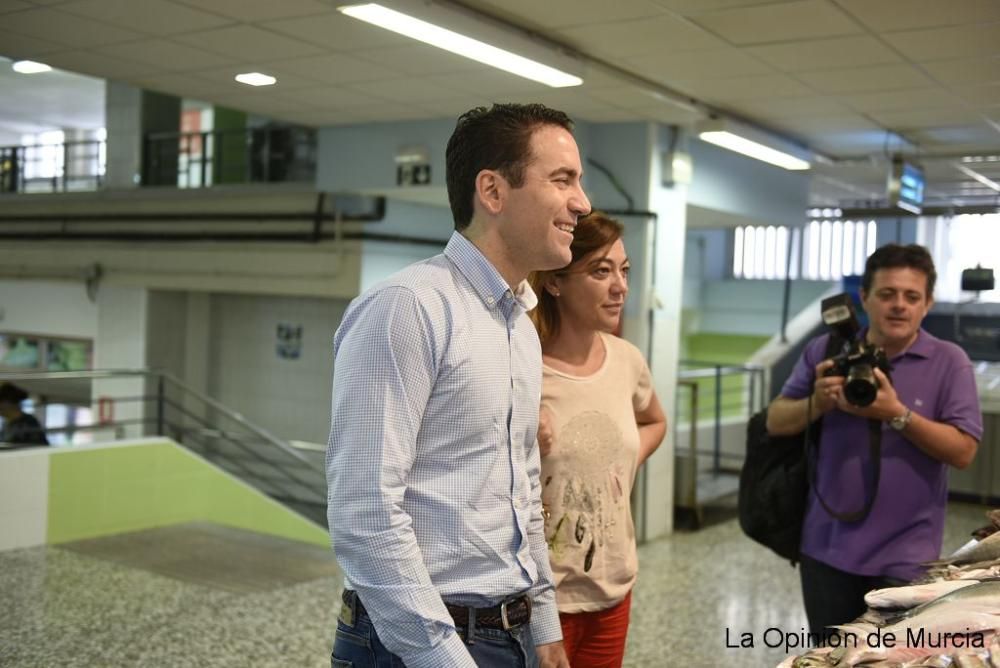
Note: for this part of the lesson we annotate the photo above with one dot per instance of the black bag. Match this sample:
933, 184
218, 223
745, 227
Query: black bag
775, 481
774, 484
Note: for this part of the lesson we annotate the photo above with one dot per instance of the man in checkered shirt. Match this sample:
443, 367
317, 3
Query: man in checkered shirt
434, 492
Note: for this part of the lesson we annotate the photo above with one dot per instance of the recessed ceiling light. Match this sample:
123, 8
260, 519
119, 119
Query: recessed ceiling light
30, 67
459, 44
256, 79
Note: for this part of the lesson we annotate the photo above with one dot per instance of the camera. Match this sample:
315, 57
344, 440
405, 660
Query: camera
859, 359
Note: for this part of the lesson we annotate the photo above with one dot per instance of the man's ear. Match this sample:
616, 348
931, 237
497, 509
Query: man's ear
491, 190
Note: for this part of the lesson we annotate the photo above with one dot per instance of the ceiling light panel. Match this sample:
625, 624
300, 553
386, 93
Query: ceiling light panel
256, 79
755, 143
30, 67
458, 38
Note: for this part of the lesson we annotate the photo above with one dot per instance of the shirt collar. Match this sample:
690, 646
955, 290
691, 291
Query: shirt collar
483, 276
923, 346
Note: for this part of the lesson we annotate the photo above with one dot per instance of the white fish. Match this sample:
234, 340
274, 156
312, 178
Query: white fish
911, 595
985, 550
926, 635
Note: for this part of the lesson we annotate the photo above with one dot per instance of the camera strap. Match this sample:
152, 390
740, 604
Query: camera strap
834, 345
875, 454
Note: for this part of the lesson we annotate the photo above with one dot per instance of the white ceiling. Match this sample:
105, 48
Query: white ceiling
32, 104
850, 78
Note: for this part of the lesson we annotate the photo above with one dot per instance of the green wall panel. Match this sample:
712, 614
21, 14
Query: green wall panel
230, 164
720, 349
96, 492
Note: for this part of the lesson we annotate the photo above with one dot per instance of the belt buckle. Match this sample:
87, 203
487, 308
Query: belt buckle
503, 616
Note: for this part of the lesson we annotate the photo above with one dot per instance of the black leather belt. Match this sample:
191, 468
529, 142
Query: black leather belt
510, 614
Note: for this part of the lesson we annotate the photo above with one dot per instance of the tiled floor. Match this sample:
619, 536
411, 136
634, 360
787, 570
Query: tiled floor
209, 596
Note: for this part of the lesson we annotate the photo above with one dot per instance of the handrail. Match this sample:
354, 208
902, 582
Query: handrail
70, 375
230, 413
169, 407
149, 373
692, 462
728, 366
79, 162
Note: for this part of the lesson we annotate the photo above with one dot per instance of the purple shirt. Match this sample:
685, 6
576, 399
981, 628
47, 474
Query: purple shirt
905, 528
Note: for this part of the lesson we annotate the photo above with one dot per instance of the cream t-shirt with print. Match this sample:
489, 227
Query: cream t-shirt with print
588, 474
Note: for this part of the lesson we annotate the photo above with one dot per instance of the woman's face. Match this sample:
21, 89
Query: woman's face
591, 295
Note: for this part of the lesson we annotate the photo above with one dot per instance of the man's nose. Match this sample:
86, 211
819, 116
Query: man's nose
579, 203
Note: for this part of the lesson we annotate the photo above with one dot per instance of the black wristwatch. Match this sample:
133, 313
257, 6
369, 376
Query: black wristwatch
900, 422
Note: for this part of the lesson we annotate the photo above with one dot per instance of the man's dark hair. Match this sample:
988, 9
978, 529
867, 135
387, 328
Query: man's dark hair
12, 394
498, 138
895, 256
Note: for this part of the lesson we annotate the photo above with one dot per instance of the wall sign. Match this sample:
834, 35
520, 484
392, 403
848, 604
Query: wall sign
289, 344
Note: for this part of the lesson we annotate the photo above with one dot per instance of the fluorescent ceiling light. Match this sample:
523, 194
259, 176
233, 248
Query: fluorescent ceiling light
989, 183
750, 148
30, 67
755, 143
256, 79
428, 33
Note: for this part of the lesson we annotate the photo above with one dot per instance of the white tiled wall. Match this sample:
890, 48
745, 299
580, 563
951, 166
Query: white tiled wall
121, 344
24, 493
289, 397
56, 308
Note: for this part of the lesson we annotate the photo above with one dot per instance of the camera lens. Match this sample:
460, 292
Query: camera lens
860, 387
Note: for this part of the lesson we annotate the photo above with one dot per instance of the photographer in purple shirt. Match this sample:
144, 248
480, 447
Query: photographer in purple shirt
931, 419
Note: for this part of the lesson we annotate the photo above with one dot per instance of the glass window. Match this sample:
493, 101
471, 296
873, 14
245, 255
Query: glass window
68, 355
821, 250
960, 243
19, 352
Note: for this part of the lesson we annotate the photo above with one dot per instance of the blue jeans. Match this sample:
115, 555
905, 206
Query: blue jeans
358, 646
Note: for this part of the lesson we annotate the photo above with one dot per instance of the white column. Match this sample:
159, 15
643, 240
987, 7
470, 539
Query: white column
123, 117
670, 205
121, 344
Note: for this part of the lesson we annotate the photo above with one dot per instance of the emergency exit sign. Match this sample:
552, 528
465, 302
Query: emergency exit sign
413, 174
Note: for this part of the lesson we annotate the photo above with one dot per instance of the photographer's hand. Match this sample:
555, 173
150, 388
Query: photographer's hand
827, 390
886, 405
791, 416
940, 440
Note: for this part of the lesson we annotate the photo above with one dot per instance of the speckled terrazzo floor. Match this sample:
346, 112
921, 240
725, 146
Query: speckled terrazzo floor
72, 606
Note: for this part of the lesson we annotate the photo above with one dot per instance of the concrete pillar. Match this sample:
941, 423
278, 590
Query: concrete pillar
669, 241
123, 119
121, 343
632, 152
130, 115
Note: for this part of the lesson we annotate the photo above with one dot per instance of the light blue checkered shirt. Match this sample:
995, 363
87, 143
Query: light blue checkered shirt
431, 463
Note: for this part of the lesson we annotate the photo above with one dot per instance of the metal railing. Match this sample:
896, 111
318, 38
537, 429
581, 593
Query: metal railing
155, 403
47, 168
728, 390
269, 154
713, 404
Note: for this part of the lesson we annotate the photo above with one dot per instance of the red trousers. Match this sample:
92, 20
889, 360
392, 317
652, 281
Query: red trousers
597, 639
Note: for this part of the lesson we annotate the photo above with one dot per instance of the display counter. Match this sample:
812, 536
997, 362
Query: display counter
981, 481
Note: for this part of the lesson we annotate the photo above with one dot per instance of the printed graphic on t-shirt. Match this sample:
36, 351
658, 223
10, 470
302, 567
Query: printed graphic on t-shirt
590, 497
